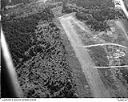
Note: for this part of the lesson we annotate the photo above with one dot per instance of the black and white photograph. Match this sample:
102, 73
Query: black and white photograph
64, 49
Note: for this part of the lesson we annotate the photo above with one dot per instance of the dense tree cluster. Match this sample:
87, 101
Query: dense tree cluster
47, 70
39, 56
54, 76
20, 33
18, 41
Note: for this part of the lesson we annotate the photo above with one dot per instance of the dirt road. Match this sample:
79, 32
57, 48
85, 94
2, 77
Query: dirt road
97, 87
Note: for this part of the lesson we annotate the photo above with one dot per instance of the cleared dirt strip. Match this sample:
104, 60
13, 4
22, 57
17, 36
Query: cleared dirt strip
97, 87
121, 26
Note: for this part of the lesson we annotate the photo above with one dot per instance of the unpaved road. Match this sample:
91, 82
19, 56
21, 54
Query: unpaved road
97, 87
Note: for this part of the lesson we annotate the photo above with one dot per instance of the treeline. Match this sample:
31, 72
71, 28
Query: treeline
95, 17
20, 32
23, 10
39, 55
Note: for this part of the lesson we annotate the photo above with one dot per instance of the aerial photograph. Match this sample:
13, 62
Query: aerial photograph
64, 49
